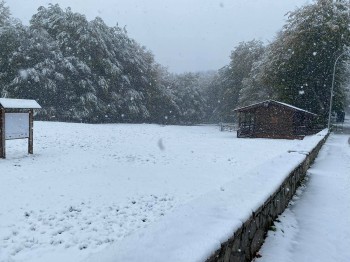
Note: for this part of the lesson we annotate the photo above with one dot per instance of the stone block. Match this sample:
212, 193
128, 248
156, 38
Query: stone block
257, 241
237, 257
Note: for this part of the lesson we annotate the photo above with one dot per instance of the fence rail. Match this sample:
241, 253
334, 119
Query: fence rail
230, 127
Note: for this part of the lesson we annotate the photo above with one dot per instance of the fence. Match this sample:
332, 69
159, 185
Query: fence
230, 127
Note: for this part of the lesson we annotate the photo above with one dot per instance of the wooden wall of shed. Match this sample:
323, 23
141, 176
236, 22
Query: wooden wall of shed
274, 122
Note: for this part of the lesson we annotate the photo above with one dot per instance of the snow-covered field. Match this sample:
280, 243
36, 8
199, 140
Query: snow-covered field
88, 187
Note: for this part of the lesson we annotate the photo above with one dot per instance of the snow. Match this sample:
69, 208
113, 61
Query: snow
19, 103
295, 108
316, 227
134, 192
276, 102
195, 230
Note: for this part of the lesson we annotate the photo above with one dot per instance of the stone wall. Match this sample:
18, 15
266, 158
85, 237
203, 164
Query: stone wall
247, 240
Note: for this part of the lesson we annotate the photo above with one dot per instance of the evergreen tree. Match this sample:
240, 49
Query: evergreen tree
116, 66
4, 14
11, 34
185, 90
81, 70
161, 98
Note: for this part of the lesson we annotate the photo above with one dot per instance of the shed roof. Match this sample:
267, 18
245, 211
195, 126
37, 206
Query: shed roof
19, 103
294, 108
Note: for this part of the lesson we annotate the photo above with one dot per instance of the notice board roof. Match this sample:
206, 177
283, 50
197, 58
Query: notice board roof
18, 103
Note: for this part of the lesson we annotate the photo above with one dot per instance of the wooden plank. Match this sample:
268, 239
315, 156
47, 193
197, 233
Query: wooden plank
2, 134
30, 139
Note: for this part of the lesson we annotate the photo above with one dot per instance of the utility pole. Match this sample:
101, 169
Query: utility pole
332, 89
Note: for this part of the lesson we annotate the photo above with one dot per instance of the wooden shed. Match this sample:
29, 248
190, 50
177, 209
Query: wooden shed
273, 119
16, 121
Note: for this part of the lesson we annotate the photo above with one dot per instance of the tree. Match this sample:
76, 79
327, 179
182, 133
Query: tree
11, 34
302, 56
110, 71
254, 89
4, 14
228, 84
189, 100
86, 71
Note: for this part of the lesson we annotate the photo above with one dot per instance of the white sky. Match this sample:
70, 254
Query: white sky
184, 35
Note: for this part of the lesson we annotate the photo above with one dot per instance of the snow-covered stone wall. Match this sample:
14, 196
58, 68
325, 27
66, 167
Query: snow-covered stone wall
247, 240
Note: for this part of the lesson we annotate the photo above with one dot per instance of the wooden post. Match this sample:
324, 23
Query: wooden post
30, 139
2, 134
239, 124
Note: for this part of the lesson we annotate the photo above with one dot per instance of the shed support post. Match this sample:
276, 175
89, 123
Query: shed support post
30, 138
2, 134
239, 124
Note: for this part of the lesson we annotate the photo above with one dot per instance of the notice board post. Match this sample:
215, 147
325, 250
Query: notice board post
16, 122
30, 139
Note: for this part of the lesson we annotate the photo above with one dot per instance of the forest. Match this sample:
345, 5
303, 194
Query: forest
86, 71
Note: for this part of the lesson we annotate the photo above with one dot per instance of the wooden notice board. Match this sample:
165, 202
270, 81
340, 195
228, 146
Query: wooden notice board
16, 122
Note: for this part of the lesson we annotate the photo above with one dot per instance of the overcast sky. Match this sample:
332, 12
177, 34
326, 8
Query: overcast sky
184, 35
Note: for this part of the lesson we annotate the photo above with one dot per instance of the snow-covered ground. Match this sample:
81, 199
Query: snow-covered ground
316, 227
88, 187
